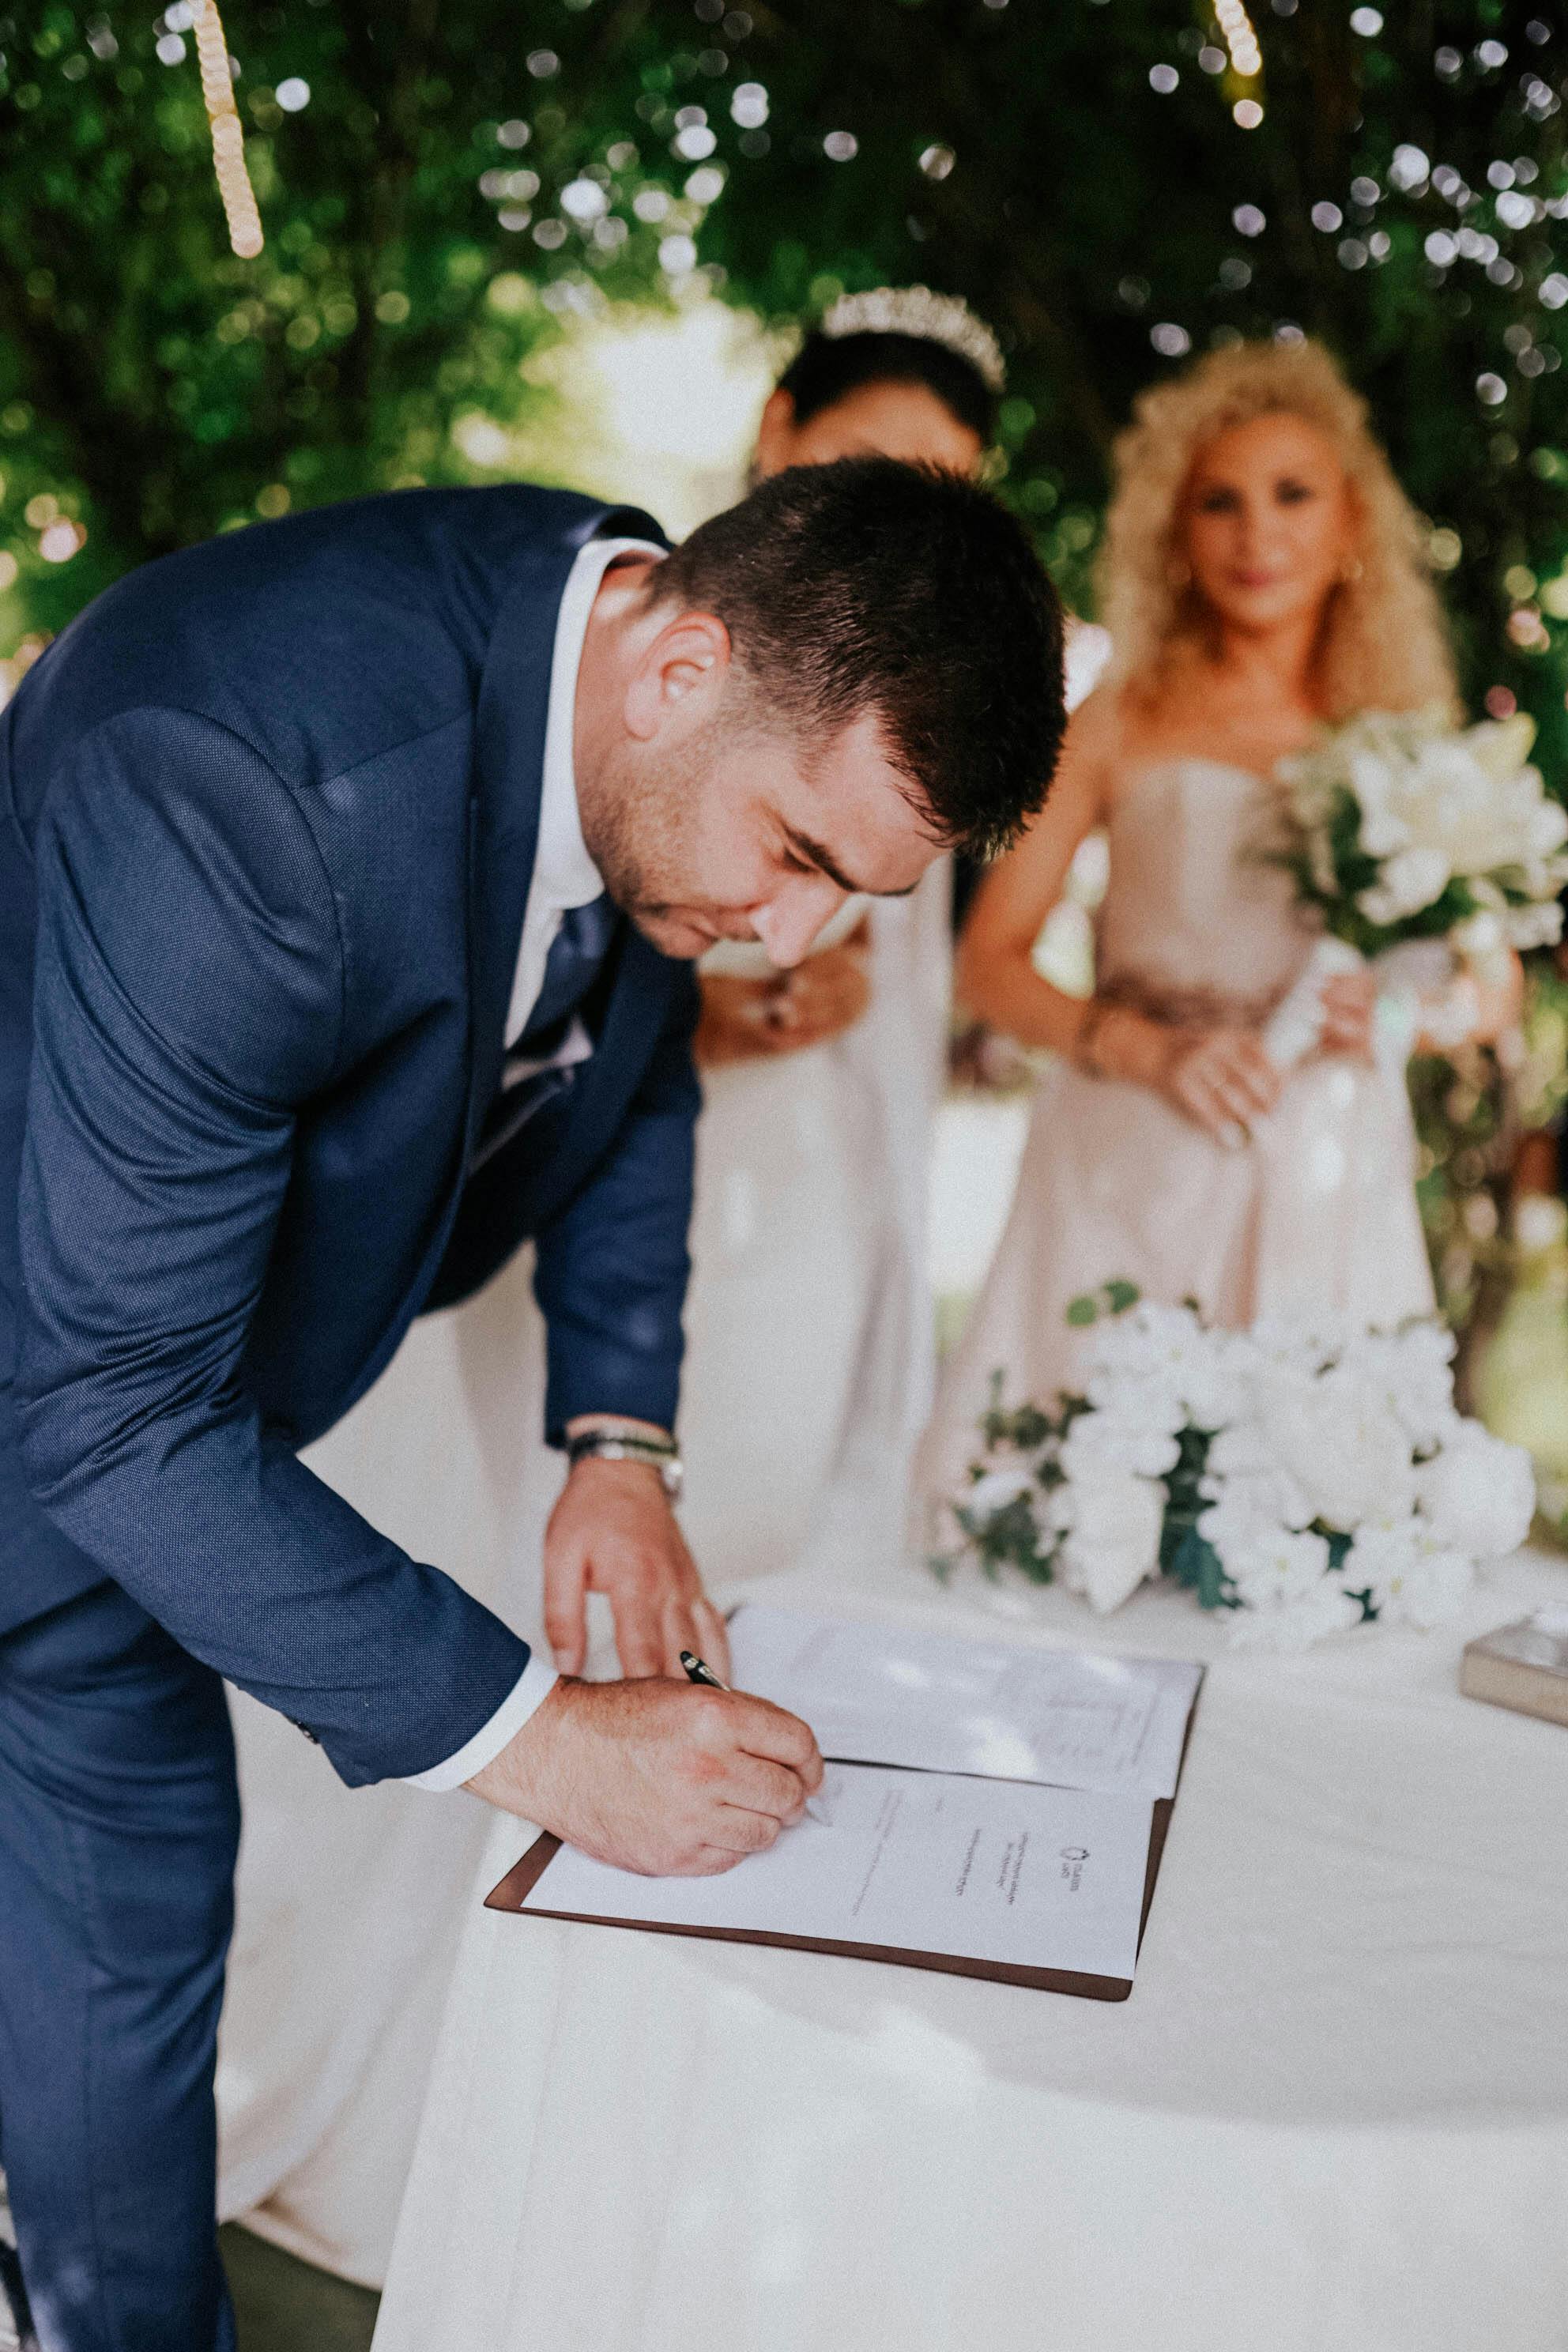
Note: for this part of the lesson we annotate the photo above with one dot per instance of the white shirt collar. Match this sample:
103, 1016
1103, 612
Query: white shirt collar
563, 874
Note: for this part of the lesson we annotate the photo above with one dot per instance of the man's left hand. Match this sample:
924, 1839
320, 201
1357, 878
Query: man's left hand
614, 1531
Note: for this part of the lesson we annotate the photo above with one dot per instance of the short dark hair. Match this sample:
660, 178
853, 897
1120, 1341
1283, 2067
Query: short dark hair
872, 585
829, 368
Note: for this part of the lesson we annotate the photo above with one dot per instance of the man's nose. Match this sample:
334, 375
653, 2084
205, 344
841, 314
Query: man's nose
787, 923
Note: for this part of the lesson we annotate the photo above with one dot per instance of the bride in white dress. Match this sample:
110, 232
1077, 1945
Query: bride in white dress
807, 1377
809, 1323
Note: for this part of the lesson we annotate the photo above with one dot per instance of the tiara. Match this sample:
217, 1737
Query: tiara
929, 317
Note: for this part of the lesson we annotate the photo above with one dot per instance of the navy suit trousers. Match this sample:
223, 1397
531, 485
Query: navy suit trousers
118, 1826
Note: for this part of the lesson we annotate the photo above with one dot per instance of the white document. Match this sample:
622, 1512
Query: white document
984, 1870
884, 1695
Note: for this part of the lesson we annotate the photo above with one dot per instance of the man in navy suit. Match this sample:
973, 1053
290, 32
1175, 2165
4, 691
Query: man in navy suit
349, 870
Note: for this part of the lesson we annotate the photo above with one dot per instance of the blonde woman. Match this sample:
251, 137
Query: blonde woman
1263, 576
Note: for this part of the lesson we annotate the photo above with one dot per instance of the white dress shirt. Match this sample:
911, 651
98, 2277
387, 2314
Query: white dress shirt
564, 876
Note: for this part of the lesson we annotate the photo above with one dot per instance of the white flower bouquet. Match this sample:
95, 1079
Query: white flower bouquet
1305, 1476
1405, 829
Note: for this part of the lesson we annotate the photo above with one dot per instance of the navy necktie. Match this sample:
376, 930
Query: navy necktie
576, 956
579, 948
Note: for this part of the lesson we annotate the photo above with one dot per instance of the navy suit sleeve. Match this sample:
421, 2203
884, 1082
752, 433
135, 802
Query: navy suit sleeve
187, 1000
611, 1268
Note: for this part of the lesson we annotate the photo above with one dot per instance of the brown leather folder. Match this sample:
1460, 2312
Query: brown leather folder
525, 1875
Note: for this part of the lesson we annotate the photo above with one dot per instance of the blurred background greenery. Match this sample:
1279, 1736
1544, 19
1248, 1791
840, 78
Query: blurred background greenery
447, 191
567, 238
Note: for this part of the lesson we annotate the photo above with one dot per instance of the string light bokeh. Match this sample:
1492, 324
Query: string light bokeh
1117, 184
234, 186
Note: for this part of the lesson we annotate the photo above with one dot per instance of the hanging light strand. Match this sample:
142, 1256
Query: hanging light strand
1245, 56
228, 134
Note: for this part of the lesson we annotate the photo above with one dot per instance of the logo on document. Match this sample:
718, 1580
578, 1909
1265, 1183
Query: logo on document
1073, 1859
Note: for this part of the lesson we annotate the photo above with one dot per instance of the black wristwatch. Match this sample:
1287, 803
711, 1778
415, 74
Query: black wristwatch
613, 1444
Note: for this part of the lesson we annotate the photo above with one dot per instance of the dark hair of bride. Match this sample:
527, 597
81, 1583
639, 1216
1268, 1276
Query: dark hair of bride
902, 590
827, 368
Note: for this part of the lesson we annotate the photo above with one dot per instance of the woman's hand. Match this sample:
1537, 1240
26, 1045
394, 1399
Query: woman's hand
1350, 1007
1221, 1079
1485, 998
756, 1020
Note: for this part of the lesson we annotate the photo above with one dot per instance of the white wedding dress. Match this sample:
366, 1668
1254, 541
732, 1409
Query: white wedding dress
809, 1346
807, 1381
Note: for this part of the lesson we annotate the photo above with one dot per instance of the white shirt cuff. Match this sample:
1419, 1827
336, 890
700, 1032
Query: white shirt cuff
530, 1691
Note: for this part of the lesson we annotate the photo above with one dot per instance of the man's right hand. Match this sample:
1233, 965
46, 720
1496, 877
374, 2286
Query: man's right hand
657, 1775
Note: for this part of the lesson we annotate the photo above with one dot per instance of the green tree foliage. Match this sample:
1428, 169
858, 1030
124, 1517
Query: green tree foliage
153, 387
1076, 168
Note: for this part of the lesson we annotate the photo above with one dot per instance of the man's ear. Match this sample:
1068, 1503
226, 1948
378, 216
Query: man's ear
774, 435
687, 663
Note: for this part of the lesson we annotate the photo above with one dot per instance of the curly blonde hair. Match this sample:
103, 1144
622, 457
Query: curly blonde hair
1384, 645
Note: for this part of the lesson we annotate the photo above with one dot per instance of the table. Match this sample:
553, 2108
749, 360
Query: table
1334, 2113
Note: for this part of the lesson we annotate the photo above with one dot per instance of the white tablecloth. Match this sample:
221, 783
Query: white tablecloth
1334, 2113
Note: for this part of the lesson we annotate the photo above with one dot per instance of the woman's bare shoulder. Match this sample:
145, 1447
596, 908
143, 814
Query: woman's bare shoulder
1074, 805
1098, 721
1091, 748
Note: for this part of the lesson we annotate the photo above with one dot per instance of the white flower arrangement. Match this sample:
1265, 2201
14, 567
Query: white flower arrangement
1411, 829
1406, 829
1308, 1476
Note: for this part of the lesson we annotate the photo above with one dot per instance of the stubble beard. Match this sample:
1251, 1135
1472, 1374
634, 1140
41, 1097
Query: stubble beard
637, 828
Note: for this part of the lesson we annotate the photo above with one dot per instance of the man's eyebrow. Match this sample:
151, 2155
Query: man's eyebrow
823, 860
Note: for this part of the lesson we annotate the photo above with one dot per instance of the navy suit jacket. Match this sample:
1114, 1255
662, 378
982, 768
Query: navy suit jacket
269, 812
